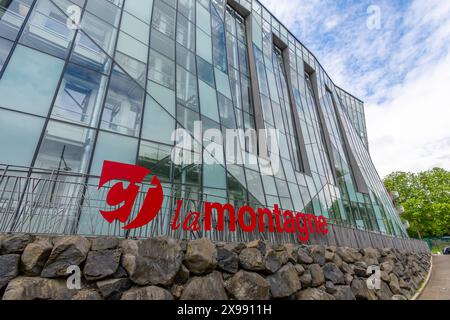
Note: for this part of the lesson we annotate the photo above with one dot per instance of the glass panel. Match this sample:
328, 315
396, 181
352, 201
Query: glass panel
208, 101
123, 106
204, 46
113, 147
80, 96
164, 18
132, 47
12, 15
161, 69
134, 68
105, 11
66, 147
185, 33
163, 44
140, 9
135, 27
30, 80
187, 89
48, 31
157, 158
158, 124
205, 72
5, 48
20, 141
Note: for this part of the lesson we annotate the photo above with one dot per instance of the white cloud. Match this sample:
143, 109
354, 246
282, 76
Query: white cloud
402, 71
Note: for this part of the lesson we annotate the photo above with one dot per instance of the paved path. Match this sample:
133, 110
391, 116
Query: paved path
439, 286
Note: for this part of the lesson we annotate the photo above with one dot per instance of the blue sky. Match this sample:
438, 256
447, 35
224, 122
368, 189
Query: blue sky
399, 67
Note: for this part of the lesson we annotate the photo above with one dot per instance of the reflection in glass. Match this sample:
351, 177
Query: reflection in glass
65, 147
123, 106
80, 96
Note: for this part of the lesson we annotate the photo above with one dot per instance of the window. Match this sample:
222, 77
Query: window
30, 80
5, 48
161, 69
66, 147
12, 15
123, 107
80, 96
113, 147
47, 30
19, 141
157, 158
158, 124
164, 18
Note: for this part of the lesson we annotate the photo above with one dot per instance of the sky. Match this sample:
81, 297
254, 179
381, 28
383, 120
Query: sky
395, 56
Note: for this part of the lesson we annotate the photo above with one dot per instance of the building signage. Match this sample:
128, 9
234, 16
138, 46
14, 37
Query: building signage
246, 218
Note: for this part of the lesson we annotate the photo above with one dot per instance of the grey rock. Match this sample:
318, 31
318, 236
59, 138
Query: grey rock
182, 275
209, 287
329, 255
235, 247
346, 268
306, 279
35, 256
120, 273
303, 256
394, 284
399, 297
291, 251
330, 287
349, 255
387, 266
33, 288
300, 269
9, 268
258, 244
360, 269
337, 260
318, 254
384, 293
87, 295
130, 247
66, 252
333, 273
344, 293
147, 293
154, 261
272, 261
361, 291
314, 294
104, 243
318, 278
201, 256
284, 282
246, 285
113, 288
227, 260
251, 259
101, 264
15, 243
348, 279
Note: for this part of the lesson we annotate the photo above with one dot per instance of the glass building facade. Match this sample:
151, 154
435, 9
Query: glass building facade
85, 81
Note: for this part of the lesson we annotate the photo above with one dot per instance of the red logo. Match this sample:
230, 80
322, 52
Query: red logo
118, 194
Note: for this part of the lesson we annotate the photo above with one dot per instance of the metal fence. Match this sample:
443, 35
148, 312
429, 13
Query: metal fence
49, 202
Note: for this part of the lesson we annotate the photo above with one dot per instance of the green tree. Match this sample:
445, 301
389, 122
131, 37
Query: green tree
426, 199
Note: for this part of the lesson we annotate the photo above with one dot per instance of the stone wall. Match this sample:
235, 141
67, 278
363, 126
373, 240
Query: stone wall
33, 267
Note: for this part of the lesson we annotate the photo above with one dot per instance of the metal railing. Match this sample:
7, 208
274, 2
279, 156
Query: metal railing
52, 202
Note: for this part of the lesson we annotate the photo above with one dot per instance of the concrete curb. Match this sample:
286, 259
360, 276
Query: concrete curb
427, 280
